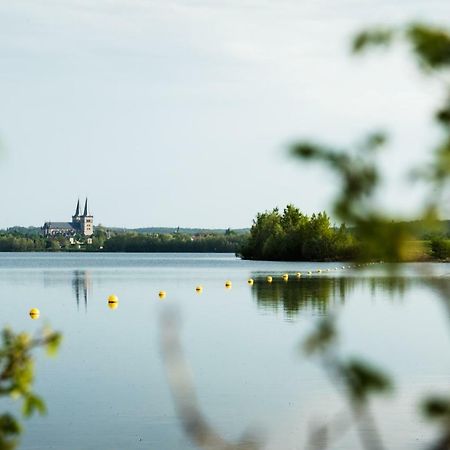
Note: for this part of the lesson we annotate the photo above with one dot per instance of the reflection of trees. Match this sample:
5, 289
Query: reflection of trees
316, 294
82, 284
312, 294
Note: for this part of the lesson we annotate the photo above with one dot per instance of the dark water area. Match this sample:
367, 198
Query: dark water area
107, 387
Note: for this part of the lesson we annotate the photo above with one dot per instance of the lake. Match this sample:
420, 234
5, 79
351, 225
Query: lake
107, 388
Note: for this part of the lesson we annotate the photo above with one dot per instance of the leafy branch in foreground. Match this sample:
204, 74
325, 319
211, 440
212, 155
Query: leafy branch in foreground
195, 424
356, 379
384, 238
357, 169
359, 176
430, 45
17, 376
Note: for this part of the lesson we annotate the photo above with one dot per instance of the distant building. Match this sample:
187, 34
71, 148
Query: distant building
81, 224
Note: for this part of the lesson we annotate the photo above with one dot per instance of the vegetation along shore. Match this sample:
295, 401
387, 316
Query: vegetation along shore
289, 235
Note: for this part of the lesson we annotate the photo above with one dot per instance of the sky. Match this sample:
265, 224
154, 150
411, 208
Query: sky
180, 113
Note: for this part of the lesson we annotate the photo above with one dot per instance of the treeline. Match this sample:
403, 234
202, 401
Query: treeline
19, 243
106, 241
178, 230
228, 242
294, 236
286, 236
22, 243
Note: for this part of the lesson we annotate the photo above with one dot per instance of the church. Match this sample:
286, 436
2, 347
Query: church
82, 224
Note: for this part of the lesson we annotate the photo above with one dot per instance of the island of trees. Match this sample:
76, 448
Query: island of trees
293, 236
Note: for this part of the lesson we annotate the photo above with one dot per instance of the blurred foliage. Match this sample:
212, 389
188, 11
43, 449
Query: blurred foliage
17, 376
381, 235
359, 378
356, 379
358, 169
283, 236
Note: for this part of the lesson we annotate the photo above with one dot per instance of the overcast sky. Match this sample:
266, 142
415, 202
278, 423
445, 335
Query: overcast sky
168, 113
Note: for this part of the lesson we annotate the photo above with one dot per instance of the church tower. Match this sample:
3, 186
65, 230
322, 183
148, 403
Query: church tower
76, 216
86, 221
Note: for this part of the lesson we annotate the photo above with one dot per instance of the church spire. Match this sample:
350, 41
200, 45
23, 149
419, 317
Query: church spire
77, 212
85, 208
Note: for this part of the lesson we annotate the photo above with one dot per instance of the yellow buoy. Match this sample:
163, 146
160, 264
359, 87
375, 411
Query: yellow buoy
113, 305
34, 313
199, 289
228, 284
162, 294
298, 274
269, 279
113, 299
285, 277
319, 270
309, 272
250, 281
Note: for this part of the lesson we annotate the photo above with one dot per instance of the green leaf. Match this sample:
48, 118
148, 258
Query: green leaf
437, 408
430, 44
53, 343
375, 37
32, 403
321, 339
363, 379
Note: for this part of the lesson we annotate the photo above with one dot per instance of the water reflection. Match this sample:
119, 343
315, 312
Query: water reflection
82, 287
318, 294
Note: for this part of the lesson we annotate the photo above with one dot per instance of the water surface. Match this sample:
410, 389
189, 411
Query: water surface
107, 388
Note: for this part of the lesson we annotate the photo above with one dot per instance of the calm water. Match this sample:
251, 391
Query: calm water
107, 389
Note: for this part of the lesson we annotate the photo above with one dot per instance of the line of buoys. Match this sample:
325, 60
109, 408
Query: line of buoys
34, 313
113, 301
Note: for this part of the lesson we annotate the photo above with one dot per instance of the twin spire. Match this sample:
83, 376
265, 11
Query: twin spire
85, 213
